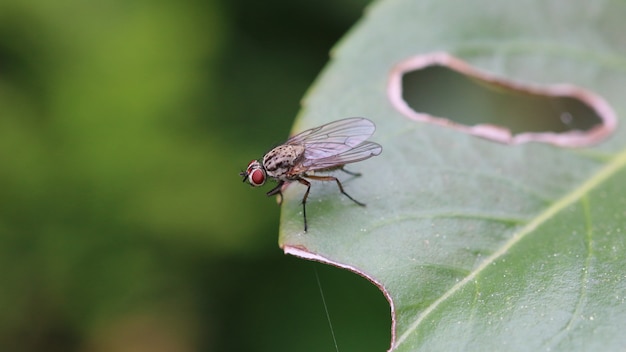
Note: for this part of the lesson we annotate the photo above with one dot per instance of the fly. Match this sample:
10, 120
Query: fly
324, 148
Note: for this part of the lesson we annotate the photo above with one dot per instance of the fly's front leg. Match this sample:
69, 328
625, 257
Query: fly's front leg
306, 195
332, 178
277, 191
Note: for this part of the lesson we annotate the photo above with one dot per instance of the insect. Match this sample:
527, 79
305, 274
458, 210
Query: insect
324, 148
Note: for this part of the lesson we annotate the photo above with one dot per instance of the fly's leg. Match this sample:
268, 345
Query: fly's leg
332, 178
276, 191
306, 195
356, 174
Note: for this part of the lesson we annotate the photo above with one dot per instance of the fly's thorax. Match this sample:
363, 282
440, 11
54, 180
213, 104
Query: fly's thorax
278, 161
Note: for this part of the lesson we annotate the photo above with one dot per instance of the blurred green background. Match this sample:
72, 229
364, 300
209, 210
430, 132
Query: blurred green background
124, 225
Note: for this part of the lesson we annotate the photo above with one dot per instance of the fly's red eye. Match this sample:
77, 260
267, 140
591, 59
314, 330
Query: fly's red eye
257, 177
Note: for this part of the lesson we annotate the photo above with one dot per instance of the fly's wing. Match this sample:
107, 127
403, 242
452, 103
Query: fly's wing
333, 138
362, 151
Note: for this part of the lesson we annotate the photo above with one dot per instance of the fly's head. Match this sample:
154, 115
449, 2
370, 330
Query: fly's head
254, 174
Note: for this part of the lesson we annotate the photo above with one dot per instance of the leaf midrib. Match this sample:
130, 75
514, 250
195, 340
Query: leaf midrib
616, 163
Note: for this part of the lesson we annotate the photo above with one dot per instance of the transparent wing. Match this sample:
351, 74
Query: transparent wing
362, 151
333, 138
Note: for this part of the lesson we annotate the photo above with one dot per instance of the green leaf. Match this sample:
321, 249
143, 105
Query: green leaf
478, 245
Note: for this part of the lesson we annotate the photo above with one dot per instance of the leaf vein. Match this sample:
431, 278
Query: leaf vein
575, 195
584, 278
504, 218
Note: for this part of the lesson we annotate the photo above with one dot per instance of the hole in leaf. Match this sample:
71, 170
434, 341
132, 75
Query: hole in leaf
432, 89
440, 89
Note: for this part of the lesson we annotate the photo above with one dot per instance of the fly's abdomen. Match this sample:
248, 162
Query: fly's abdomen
278, 161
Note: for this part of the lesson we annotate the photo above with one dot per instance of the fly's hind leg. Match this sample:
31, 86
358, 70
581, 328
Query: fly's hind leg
355, 174
332, 178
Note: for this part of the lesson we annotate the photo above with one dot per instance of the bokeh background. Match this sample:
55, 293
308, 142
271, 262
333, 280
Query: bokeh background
124, 225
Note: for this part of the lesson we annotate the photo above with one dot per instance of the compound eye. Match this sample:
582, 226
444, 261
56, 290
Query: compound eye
257, 177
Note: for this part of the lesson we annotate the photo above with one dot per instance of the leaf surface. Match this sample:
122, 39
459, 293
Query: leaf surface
478, 245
